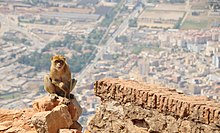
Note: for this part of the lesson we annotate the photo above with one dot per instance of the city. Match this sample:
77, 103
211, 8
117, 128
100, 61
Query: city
174, 43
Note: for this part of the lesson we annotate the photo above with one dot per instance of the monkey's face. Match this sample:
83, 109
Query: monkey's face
58, 62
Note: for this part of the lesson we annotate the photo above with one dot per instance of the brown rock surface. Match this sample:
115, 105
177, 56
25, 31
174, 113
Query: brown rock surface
131, 106
52, 121
76, 125
46, 114
45, 104
16, 120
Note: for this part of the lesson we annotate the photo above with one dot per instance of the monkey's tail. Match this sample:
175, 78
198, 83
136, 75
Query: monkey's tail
73, 84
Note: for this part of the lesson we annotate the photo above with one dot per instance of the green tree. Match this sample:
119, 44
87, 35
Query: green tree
95, 36
109, 18
177, 25
133, 22
121, 39
37, 60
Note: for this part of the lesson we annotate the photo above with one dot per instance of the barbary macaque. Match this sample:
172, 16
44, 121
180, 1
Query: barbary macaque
59, 81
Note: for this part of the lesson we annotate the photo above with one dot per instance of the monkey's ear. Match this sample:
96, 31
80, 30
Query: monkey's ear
64, 58
51, 58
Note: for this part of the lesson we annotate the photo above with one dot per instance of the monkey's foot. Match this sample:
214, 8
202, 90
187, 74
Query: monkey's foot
66, 101
53, 97
72, 96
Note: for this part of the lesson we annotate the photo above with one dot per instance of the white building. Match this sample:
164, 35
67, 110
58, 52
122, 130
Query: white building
216, 61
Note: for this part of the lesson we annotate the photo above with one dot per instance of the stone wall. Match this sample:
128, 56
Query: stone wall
133, 107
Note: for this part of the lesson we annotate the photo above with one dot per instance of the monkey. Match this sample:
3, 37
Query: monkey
59, 82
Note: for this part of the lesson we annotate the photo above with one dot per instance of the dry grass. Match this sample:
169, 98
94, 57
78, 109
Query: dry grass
174, 15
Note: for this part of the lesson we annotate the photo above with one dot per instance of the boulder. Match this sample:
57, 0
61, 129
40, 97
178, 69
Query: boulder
52, 121
76, 125
45, 104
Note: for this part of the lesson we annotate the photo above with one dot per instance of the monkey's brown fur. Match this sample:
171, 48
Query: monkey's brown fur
59, 81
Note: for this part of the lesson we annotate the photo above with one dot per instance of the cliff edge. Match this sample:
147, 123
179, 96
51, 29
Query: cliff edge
132, 107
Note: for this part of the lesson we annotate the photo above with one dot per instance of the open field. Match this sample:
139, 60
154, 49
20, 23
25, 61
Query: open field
51, 28
158, 18
156, 14
195, 24
155, 25
199, 22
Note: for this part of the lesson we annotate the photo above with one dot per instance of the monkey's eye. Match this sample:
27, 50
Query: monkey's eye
56, 61
59, 61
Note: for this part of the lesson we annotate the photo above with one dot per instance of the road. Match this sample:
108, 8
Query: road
103, 49
187, 10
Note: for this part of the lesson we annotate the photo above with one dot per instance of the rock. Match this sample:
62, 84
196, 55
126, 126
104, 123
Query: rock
15, 130
185, 127
129, 106
74, 109
86, 131
52, 121
76, 125
5, 125
157, 123
9, 115
69, 131
45, 117
45, 104
55, 115
3, 128
13, 121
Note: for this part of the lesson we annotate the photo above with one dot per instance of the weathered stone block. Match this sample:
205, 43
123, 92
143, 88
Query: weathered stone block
45, 104
52, 121
217, 117
74, 109
188, 113
76, 126
184, 112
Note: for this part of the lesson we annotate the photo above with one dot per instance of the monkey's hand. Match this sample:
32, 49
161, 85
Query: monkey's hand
61, 85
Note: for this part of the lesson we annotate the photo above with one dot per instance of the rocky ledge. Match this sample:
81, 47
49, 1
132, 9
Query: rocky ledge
134, 107
45, 117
